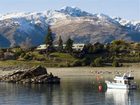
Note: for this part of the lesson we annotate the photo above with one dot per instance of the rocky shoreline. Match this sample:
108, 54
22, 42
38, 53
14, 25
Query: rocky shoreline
37, 75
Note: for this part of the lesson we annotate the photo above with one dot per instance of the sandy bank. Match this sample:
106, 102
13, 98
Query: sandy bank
86, 71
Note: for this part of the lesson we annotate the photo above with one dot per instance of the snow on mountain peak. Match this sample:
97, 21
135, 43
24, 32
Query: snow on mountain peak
74, 11
102, 16
66, 12
12, 15
70, 7
17, 15
121, 21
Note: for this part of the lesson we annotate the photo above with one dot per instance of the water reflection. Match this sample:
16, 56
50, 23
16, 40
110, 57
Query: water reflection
74, 91
69, 92
120, 96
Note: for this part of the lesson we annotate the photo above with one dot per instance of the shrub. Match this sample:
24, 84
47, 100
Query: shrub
61, 65
86, 61
22, 55
68, 65
28, 56
115, 64
97, 62
18, 52
77, 63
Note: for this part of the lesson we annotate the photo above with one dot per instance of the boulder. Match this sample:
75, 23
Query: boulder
34, 72
34, 75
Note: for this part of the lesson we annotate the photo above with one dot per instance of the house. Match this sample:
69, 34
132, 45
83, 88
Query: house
42, 47
78, 47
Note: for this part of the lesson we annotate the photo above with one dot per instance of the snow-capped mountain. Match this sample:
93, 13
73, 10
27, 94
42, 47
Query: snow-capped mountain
83, 27
74, 11
134, 25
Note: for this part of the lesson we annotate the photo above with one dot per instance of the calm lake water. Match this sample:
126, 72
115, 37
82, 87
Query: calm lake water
76, 88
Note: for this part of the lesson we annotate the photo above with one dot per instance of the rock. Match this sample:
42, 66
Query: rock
34, 75
34, 72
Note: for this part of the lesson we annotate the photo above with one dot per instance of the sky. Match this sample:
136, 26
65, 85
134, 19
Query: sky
128, 9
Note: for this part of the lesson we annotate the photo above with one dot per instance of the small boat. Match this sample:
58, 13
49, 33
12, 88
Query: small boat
122, 82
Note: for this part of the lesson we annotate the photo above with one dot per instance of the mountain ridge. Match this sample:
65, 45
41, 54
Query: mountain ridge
81, 26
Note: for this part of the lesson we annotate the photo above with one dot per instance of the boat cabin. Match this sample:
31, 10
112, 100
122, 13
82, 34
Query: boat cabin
122, 82
125, 79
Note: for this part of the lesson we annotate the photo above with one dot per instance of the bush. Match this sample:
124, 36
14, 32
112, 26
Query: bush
28, 56
77, 63
61, 65
68, 65
18, 51
97, 62
86, 61
115, 64
22, 55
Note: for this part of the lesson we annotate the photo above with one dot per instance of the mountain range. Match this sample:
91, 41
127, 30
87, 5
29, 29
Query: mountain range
20, 29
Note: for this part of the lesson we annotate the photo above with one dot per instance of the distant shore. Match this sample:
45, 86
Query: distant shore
113, 54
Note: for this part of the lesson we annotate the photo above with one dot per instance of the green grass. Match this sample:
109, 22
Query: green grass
36, 54
62, 56
62, 59
54, 60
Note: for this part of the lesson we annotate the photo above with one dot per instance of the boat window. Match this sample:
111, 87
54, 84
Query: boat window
125, 82
129, 82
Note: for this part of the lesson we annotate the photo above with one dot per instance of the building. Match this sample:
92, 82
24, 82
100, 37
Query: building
42, 47
78, 47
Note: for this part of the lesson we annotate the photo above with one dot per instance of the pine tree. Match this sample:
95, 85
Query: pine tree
69, 44
49, 38
60, 44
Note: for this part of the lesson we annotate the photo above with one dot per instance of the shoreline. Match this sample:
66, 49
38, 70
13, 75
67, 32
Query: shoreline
32, 63
79, 71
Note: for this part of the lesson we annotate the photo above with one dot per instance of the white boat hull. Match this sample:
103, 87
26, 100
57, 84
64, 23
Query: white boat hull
119, 86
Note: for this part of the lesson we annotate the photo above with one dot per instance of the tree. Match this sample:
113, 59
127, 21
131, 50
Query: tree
60, 44
118, 42
88, 48
49, 38
98, 48
69, 44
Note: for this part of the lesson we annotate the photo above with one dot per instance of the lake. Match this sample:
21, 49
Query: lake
79, 86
